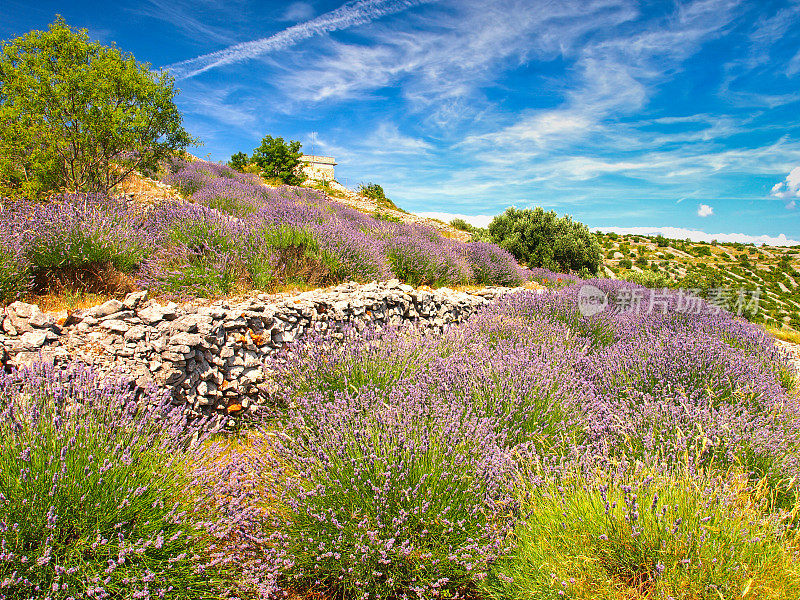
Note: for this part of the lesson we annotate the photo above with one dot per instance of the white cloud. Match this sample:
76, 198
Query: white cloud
789, 188
298, 11
794, 65
695, 235
451, 53
704, 210
614, 77
350, 14
542, 129
477, 220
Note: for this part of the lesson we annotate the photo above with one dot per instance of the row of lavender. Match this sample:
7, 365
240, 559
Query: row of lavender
234, 234
531, 452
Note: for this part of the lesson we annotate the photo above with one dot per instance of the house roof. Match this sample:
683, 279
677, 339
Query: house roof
314, 159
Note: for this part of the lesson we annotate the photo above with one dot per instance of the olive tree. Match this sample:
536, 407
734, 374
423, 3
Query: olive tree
80, 116
540, 238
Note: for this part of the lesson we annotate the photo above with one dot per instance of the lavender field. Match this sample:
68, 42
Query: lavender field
530, 452
233, 235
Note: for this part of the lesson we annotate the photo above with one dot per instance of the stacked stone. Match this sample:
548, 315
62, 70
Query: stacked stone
211, 357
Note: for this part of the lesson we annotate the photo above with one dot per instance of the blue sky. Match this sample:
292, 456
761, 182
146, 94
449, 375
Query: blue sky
623, 114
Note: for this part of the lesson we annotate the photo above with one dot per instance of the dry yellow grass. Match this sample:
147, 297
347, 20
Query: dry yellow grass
785, 333
59, 302
69, 300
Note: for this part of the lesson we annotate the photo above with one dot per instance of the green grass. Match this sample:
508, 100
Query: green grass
648, 536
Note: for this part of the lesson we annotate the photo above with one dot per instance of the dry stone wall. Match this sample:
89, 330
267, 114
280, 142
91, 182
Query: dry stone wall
211, 357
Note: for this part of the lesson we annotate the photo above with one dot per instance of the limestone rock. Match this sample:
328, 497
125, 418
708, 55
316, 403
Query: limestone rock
106, 309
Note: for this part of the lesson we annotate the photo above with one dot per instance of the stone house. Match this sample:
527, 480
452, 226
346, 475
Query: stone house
319, 168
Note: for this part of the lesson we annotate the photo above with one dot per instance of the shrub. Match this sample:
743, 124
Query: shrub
461, 224
541, 239
479, 234
515, 373
14, 276
353, 253
75, 232
649, 279
375, 192
71, 240
373, 358
79, 116
198, 256
94, 501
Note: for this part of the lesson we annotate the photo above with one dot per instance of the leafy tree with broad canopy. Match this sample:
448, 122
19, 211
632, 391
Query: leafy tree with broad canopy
239, 161
79, 116
540, 238
280, 160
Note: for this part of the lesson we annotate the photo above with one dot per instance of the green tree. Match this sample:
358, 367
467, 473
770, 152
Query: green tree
542, 239
76, 115
280, 160
239, 161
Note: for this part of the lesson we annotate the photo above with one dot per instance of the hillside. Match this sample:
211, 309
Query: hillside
336, 192
659, 262
207, 231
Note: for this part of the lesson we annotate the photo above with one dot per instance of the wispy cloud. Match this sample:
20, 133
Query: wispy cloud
793, 68
452, 54
185, 18
388, 139
348, 15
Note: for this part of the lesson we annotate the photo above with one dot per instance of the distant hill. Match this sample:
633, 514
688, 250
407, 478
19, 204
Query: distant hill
657, 262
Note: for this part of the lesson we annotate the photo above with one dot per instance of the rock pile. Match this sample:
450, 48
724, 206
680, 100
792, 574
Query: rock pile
211, 357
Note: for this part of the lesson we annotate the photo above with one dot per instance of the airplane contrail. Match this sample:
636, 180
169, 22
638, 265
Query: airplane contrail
350, 14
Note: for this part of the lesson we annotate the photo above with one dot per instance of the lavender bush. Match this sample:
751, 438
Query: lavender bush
567, 410
491, 265
407, 501
322, 364
93, 503
233, 233
197, 255
14, 275
76, 231
419, 259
